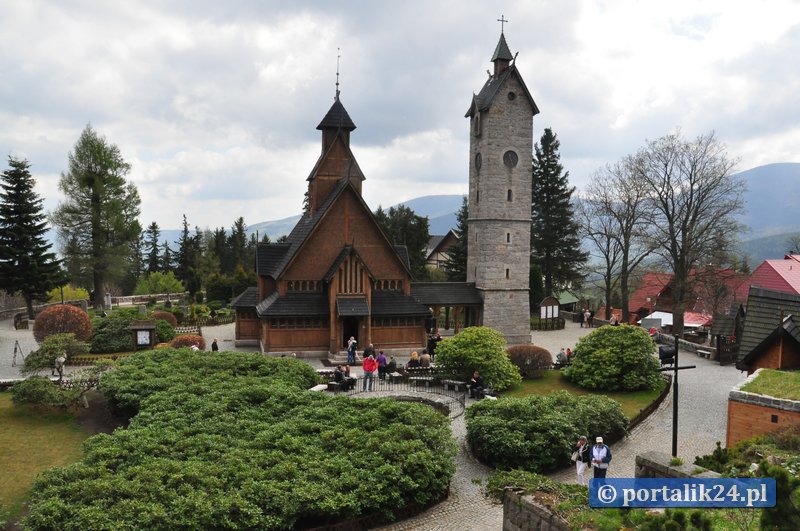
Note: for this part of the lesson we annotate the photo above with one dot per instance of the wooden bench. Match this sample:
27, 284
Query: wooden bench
704, 353
455, 385
395, 377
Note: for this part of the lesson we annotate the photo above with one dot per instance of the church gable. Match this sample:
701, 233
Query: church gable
347, 221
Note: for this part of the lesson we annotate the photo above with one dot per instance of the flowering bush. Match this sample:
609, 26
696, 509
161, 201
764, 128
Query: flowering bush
187, 340
62, 319
531, 360
167, 316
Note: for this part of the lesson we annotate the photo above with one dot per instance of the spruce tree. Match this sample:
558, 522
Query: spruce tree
555, 240
26, 264
151, 247
456, 263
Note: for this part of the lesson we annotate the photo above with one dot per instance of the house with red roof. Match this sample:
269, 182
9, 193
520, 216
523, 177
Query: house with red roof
776, 275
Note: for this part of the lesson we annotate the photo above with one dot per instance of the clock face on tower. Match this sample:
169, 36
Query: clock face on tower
510, 159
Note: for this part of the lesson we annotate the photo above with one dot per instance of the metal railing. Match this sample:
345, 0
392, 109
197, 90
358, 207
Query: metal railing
448, 398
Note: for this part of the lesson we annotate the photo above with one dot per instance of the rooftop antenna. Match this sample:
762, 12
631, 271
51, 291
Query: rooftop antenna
338, 56
502, 20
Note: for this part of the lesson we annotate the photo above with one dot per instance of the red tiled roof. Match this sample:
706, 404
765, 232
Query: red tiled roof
652, 285
776, 275
697, 319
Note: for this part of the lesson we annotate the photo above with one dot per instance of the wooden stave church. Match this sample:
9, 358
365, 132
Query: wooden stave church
338, 275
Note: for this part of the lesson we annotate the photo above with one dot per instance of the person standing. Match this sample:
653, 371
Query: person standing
214, 345
381, 359
583, 453
369, 366
601, 457
369, 351
352, 345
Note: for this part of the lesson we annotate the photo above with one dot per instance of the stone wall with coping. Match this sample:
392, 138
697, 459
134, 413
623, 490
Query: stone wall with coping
657, 465
522, 513
750, 414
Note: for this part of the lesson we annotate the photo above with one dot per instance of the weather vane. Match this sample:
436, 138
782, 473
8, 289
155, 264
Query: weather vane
502, 20
338, 55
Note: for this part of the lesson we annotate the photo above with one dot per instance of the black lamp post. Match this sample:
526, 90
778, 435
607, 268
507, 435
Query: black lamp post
675, 368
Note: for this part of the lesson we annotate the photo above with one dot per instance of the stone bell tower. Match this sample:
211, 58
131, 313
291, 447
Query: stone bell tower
499, 224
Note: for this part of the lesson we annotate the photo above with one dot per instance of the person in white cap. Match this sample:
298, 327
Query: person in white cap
601, 457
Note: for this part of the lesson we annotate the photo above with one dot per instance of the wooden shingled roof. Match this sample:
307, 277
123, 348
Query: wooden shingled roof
766, 310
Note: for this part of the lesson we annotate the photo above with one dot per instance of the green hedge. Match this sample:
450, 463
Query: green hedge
234, 441
538, 433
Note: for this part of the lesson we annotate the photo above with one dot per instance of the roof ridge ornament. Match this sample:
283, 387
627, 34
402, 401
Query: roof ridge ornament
338, 56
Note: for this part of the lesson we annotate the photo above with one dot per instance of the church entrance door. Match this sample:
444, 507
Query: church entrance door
350, 329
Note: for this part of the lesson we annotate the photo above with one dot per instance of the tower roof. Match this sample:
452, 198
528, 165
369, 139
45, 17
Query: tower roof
337, 118
502, 51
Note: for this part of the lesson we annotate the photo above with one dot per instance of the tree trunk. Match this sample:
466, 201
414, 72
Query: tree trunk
624, 292
29, 305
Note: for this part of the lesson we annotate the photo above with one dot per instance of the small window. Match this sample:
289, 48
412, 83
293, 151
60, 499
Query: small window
477, 196
774, 418
508, 237
478, 161
510, 196
511, 96
508, 273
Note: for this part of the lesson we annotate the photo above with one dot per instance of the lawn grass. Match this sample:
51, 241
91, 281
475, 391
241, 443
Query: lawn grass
780, 384
32, 441
552, 381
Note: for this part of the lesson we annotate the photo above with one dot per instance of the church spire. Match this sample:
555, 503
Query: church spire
337, 121
502, 54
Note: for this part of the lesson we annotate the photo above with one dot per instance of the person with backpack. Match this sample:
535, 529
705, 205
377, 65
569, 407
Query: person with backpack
601, 457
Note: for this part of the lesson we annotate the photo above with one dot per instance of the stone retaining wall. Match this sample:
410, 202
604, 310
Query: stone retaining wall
657, 465
750, 414
523, 513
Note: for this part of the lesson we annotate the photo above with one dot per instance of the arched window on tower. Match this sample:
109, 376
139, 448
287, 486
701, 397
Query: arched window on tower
510, 196
508, 273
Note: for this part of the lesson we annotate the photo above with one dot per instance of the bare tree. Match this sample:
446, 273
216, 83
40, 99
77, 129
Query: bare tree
619, 212
793, 244
694, 200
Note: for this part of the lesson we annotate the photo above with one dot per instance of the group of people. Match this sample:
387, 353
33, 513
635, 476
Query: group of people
588, 318
564, 357
596, 457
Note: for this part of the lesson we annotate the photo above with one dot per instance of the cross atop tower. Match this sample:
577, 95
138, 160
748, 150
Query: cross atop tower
502, 20
338, 56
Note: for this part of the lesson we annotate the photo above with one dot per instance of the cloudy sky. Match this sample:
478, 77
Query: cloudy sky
215, 104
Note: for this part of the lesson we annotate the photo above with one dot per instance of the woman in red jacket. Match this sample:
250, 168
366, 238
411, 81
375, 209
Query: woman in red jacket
370, 366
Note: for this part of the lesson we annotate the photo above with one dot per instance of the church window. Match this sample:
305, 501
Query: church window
511, 96
478, 161
476, 124
510, 196
508, 237
508, 272
477, 196
290, 286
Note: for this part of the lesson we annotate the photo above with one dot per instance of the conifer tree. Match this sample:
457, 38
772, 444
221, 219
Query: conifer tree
555, 241
100, 209
26, 264
456, 263
151, 247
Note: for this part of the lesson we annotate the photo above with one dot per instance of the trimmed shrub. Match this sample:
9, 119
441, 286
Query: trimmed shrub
615, 358
50, 349
236, 441
531, 360
166, 316
537, 433
478, 348
112, 333
187, 340
39, 391
164, 331
62, 319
